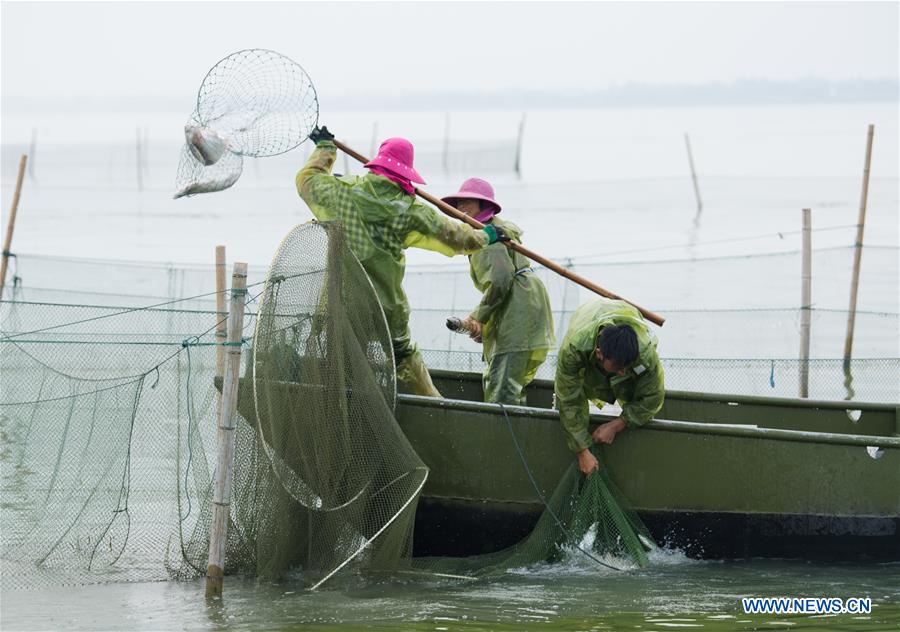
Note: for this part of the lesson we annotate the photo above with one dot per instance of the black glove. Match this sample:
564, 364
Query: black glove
319, 134
495, 234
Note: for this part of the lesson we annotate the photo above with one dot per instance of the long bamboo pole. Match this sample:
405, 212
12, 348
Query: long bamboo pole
687, 141
518, 165
857, 252
32, 151
11, 223
215, 570
547, 263
139, 159
805, 302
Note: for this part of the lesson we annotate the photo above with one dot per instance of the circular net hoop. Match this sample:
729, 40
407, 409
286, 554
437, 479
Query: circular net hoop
263, 102
339, 469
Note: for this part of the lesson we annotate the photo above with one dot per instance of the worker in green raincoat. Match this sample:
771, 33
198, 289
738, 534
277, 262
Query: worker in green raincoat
381, 217
607, 355
513, 319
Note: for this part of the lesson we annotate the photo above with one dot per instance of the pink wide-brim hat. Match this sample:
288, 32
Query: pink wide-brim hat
396, 155
475, 189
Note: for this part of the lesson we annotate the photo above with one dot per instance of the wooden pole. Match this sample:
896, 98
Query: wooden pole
140, 160
857, 252
805, 303
444, 159
32, 150
374, 146
215, 570
146, 152
547, 263
518, 165
687, 142
11, 222
221, 314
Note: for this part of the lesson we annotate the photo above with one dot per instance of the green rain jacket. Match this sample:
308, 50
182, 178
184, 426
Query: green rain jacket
514, 309
580, 376
379, 221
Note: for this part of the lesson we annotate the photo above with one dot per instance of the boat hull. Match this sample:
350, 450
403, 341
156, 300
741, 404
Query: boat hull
747, 478
719, 486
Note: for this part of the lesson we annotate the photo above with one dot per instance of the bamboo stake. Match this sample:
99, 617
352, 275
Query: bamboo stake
444, 160
805, 303
471, 221
11, 223
374, 144
32, 150
215, 570
687, 141
221, 314
518, 165
140, 160
857, 252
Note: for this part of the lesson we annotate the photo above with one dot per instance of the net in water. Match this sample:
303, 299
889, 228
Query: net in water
108, 424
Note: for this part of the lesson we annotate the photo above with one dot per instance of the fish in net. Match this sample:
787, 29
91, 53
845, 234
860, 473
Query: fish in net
254, 102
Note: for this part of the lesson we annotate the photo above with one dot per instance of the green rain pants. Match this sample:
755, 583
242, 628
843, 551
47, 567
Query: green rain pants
507, 374
412, 374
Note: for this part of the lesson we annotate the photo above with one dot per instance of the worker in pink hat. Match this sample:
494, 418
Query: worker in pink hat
381, 217
513, 320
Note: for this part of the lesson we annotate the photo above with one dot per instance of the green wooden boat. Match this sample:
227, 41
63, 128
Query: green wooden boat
717, 476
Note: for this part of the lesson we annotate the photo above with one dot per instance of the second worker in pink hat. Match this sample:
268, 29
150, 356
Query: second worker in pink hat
513, 321
381, 217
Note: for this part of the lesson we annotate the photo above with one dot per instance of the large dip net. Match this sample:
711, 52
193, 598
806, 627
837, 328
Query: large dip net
254, 102
107, 442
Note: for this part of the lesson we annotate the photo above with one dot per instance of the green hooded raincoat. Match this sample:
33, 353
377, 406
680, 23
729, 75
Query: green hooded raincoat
580, 377
515, 315
380, 221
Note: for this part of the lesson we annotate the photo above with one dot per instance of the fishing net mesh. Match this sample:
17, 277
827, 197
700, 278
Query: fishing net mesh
254, 102
193, 177
107, 442
264, 103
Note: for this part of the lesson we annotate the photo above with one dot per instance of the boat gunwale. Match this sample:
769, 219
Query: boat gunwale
690, 427
724, 398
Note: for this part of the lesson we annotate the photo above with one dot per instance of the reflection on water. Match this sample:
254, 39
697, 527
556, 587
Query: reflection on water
674, 592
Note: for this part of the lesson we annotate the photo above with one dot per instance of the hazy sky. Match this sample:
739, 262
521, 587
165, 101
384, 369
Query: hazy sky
111, 51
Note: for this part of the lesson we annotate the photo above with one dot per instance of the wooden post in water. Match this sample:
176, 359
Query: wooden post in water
518, 165
32, 150
444, 161
687, 142
374, 146
215, 570
11, 222
221, 314
140, 160
857, 252
805, 303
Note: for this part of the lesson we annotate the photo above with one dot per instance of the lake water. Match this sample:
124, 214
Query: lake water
673, 593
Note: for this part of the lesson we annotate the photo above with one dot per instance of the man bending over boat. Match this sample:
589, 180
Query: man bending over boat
381, 217
513, 319
608, 354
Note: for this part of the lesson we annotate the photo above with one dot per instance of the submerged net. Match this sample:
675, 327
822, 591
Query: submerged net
107, 442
